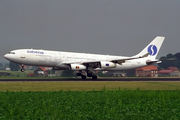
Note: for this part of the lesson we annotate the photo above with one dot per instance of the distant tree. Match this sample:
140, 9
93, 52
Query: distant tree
165, 64
1, 65
67, 73
6, 65
101, 74
14, 66
52, 71
177, 55
170, 55
34, 68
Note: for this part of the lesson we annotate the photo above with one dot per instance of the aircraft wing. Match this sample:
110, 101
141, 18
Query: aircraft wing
82, 62
119, 61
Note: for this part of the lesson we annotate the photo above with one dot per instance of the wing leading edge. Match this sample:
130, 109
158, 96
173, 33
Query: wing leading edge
119, 61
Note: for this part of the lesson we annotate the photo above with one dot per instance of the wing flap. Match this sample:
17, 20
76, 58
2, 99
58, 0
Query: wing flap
120, 61
82, 62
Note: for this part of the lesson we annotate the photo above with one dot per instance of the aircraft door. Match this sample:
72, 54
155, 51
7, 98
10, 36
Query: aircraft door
23, 54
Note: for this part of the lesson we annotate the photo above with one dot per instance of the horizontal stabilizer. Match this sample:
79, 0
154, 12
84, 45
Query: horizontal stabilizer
159, 61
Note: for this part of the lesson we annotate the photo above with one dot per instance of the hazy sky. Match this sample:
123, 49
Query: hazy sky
116, 27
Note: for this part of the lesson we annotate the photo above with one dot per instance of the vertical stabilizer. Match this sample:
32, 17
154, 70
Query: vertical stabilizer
153, 48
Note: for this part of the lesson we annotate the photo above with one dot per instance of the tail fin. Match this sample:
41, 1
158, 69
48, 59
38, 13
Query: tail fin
153, 48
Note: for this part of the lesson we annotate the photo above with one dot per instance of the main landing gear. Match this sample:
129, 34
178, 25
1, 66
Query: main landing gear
89, 74
22, 68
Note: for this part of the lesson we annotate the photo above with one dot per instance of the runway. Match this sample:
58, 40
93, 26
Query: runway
99, 79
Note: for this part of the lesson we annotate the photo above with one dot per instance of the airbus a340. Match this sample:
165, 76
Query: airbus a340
85, 63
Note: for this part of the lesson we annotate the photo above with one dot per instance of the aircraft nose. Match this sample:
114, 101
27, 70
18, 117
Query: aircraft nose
6, 56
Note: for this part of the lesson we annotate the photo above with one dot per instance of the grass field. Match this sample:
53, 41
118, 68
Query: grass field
17, 74
90, 100
91, 105
86, 86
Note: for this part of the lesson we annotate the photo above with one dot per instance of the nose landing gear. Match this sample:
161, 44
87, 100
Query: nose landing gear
22, 68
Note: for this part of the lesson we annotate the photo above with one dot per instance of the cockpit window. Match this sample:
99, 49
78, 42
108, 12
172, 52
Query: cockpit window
11, 52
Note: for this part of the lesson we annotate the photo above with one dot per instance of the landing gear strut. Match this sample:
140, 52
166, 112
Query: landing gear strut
91, 74
94, 77
83, 77
22, 68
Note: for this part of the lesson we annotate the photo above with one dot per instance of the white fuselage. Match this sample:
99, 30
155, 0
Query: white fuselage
59, 59
85, 62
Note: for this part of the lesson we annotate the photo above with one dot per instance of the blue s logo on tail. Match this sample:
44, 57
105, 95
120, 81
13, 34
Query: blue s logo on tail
152, 49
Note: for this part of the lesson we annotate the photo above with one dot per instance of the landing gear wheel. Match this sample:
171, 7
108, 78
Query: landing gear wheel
22, 68
94, 77
83, 77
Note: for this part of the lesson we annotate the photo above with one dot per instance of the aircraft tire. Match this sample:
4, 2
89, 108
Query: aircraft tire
22, 70
94, 77
83, 77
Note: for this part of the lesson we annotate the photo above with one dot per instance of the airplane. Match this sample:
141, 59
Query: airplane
85, 63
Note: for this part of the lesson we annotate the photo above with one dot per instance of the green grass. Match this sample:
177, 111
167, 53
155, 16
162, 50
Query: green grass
96, 105
86, 86
16, 74
90, 100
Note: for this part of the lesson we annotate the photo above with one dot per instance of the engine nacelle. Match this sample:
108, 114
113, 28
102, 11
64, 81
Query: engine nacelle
77, 67
106, 64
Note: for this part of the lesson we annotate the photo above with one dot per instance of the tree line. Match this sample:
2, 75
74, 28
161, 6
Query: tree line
167, 61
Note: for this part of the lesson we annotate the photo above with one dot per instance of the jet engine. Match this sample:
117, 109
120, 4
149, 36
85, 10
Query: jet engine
77, 67
106, 64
